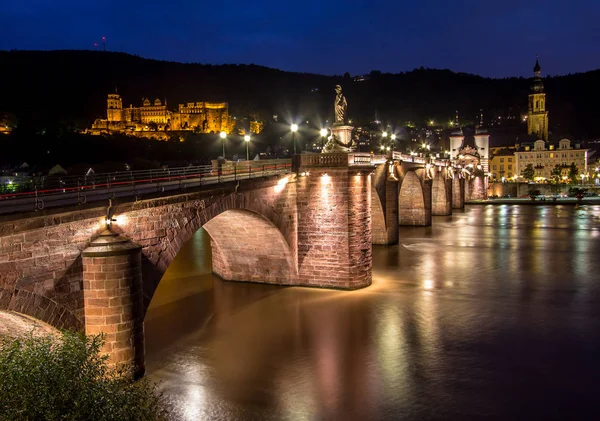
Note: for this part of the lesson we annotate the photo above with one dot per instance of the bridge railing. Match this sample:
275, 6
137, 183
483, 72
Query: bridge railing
40, 192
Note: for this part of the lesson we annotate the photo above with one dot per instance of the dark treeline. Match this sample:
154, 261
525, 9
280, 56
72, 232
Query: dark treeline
51, 93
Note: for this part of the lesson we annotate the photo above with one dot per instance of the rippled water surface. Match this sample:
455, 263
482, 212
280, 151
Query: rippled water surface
492, 313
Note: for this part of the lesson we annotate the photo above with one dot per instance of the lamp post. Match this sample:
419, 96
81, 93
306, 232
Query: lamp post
393, 138
294, 128
323, 134
223, 136
247, 140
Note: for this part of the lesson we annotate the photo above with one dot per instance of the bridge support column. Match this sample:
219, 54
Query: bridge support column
476, 188
334, 222
113, 299
441, 196
458, 192
414, 201
384, 206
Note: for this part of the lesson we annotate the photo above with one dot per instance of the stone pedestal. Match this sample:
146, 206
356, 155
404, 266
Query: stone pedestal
113, 301
343, 134
334, 222
476, 188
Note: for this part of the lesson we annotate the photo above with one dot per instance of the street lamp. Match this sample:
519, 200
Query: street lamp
223, 136
294, 128
247, 140
323, 134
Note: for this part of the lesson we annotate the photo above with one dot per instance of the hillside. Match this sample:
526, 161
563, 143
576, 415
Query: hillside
72, 86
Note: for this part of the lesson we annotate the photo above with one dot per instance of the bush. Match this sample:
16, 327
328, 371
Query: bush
67, 378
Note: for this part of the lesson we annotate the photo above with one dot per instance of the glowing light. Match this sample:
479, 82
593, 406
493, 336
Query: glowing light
393, 136
247, 138
384, 134
325, 179
382, 147
323, 132
431, 122
280, 185
294, 128
428, 284
223, 135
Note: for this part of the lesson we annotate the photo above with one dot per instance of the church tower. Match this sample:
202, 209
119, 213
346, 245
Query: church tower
537, 116
114, 108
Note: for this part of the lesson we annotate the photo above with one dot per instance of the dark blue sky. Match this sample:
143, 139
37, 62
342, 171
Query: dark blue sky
488, 37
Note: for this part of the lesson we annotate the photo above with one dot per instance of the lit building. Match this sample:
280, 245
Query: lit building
544, 156
476, 146
154, 116
537, 116
502, 165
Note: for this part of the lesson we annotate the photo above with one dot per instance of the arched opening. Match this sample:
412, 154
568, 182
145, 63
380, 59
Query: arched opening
236, 245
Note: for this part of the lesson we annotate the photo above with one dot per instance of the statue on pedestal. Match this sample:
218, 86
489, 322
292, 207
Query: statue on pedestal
341, 134
340, 105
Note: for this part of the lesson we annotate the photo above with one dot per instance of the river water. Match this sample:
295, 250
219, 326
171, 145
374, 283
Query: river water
491, 313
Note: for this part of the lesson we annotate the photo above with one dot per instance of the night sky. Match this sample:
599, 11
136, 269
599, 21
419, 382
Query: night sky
490, 38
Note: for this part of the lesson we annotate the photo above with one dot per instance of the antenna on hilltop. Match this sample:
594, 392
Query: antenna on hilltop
95, 46
103, 43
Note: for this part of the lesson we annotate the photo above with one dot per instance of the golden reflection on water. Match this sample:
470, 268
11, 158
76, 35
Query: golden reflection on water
456, 317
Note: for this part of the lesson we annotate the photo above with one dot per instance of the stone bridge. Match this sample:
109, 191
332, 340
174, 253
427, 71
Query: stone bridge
96, 269
408, 190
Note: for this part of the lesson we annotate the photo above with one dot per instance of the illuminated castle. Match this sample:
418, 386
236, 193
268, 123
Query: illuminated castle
155, 119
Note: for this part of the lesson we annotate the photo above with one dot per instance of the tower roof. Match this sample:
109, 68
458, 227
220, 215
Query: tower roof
537, 68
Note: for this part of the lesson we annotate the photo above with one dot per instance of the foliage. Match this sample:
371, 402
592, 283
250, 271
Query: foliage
533, 193
556, 174
528, 172
573, 173
67, 378
577, 192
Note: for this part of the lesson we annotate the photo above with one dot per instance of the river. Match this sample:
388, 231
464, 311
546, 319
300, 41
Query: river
491, 313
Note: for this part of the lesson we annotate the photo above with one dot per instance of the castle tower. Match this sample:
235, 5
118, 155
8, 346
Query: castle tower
114, 109
537, 116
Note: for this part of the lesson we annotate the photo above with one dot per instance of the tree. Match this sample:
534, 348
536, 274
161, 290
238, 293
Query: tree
528, 173
573, 173
556, 174
67, 378
153, 126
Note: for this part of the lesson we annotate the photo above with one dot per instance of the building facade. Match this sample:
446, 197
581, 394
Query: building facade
503, 165
544, 156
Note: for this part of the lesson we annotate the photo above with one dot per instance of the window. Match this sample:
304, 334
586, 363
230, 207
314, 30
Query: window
501, 167
501, 159
551, 154
494, 167
510, 167
509, 159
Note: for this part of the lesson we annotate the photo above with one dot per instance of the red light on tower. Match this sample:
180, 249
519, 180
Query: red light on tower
103, 43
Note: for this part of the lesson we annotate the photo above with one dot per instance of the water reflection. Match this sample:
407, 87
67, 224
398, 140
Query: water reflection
490, 313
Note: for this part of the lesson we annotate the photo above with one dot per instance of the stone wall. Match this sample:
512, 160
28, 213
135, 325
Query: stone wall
458, 192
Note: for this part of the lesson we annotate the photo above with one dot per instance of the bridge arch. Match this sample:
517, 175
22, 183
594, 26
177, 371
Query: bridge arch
246, 246
441, 194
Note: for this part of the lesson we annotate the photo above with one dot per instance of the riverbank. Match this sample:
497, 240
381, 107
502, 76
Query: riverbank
527, 201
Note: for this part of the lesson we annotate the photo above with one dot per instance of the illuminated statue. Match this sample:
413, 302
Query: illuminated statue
340, 106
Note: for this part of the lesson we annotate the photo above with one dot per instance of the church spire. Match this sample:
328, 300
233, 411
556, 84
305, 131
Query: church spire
537, 70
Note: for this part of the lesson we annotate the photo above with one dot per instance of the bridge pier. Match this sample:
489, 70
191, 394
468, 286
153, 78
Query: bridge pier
441, 195
112, 296
384, 205
414, 200
458, 192
334, 222
476, 188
